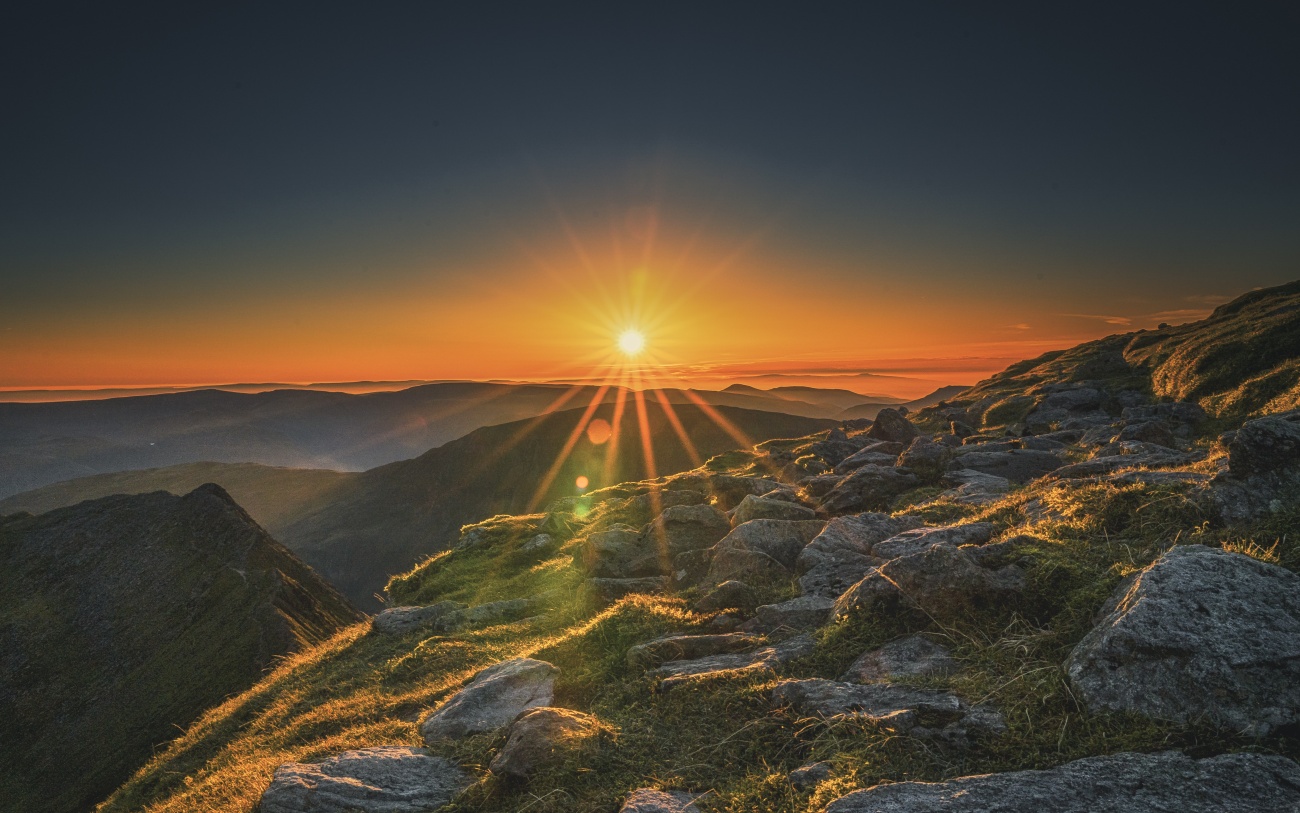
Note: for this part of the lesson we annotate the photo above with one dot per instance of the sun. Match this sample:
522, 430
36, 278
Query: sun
631, 341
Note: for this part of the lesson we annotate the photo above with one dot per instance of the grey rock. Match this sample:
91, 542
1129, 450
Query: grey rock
820, 485
941, 580
648, 800
753, 507
611, 590
1266, 446
767, 660
1074, 400
738, 564
919, 539
687, 527
803, 612
869, 455
690, 567
728, 595
730, 490
868, 488
1127, 455
397, 620
926, 459
841, 554
492, 699
902, 707
974, 487
892, 426
1168, 782
836, 572
543, 736
809, 775
620, 553
387, 779
911, 657
688, 647
1042, 444
539, 543
1200, 634
780, 539
1149, 432
1016, 465
494, 612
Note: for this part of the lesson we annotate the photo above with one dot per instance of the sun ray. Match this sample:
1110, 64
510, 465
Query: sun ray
676, 423
611, 452
563, 456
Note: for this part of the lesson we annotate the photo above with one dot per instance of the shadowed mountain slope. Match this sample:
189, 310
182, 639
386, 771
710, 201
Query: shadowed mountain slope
122, 619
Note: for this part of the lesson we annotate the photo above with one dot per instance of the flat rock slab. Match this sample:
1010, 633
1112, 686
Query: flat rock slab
768, 659
647, 800
753, 507
933, 715
913, 656
387, 779
397, 620
1200, 634
1168, 782
688, 647
494, 698
940, 580
804, 612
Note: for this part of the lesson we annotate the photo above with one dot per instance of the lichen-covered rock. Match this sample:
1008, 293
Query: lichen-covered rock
387, 779
868, 488
972, 487
910, 657
621, 553
1201, 634
397, 620
1120, 783
926, 459
543, 736
941, 580
892, 426
687, 647
803, 612
687, 527
728, 595
780, 539
648, 800
838, 557
492, 699
768, 660
919, 539
1016, 465
753, 507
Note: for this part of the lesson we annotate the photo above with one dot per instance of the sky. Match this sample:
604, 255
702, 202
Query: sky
200, 193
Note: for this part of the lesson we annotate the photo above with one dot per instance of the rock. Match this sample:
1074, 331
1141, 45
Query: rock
1073, 400
926, 459
688, 527
387, 779
539, 543
1149, 432
910, 657
892, 426
611, 590
764, 508
728, 595
840, 555
1120, 783
493, 612
1200, 634
919, 539
647, 800
642, 508
1016, 465
782, 540
620, 553
1126, 455
974, 487
1042, 444
768, 660
688, 647
690, 567
1183, 412
804, 612
880, 453
899, 707
738, 564
1266, 446
961, 429
941, 580
832, 450
397, 620
868, 488
492, 699
1159, 478
543, 736
809, 775
835, 573
731, 490
820, 485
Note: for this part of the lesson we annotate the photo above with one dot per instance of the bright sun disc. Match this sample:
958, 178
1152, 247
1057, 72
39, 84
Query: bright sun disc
631, 342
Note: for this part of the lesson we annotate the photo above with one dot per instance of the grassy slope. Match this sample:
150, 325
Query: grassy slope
723, 735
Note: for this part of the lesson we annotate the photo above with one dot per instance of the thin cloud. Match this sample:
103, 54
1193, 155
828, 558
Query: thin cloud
1180, 315
1122, 321
1019, 326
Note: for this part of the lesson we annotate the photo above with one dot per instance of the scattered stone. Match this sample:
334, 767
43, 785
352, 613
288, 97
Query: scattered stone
919, 712
1200, 634
1149, 432
911, 657
841, 554
892, 426
942, 580
766, 508
768, 660
809, 775
730, 490
804, 612
1016, 465
543, 736
926, 459
539, 543
782, 540
397, 620
919, 539
972, 487
688, 647
647, 800
492, 699
877, 454
728, 595
1120, 783
387, 779
869, 487
611, 590
620, 553
688, 527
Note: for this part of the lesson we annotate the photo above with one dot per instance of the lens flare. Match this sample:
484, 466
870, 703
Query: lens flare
631, 341
582, 482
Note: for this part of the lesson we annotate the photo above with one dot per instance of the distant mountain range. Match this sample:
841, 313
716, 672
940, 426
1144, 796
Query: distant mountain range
122, 619
43, 443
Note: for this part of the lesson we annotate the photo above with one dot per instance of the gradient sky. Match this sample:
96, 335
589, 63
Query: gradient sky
200, 193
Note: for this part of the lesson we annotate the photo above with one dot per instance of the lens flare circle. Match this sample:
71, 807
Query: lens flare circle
631, 341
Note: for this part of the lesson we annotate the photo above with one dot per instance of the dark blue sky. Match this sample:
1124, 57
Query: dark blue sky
151, 148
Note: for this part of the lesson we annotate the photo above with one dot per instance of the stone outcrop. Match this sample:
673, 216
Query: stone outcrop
387, 779
494, 698
767, 660
687, 647
868, 488
753, 507
942, 580
688, 527
1263, 468
397, 620
1199, 635
1122, 783
543, 736
890, 425
919, 712
1015, 465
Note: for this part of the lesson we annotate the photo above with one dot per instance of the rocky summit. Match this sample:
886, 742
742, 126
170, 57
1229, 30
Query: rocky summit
1070, 587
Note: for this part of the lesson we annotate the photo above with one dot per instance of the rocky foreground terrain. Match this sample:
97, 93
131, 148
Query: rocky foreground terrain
1064, 589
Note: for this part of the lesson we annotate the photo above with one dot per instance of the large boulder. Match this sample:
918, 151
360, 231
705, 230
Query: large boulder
753, 507
767, 660
841, 554
890, 425
387, 779
726, 596
1016, 465
1121, 783
397, 620
1201, 634
1263, 472
622, 553
803, 612
941, 580
543, 736
868, 488
648, 800
926, 459
492, 699
688, 527
780, 540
